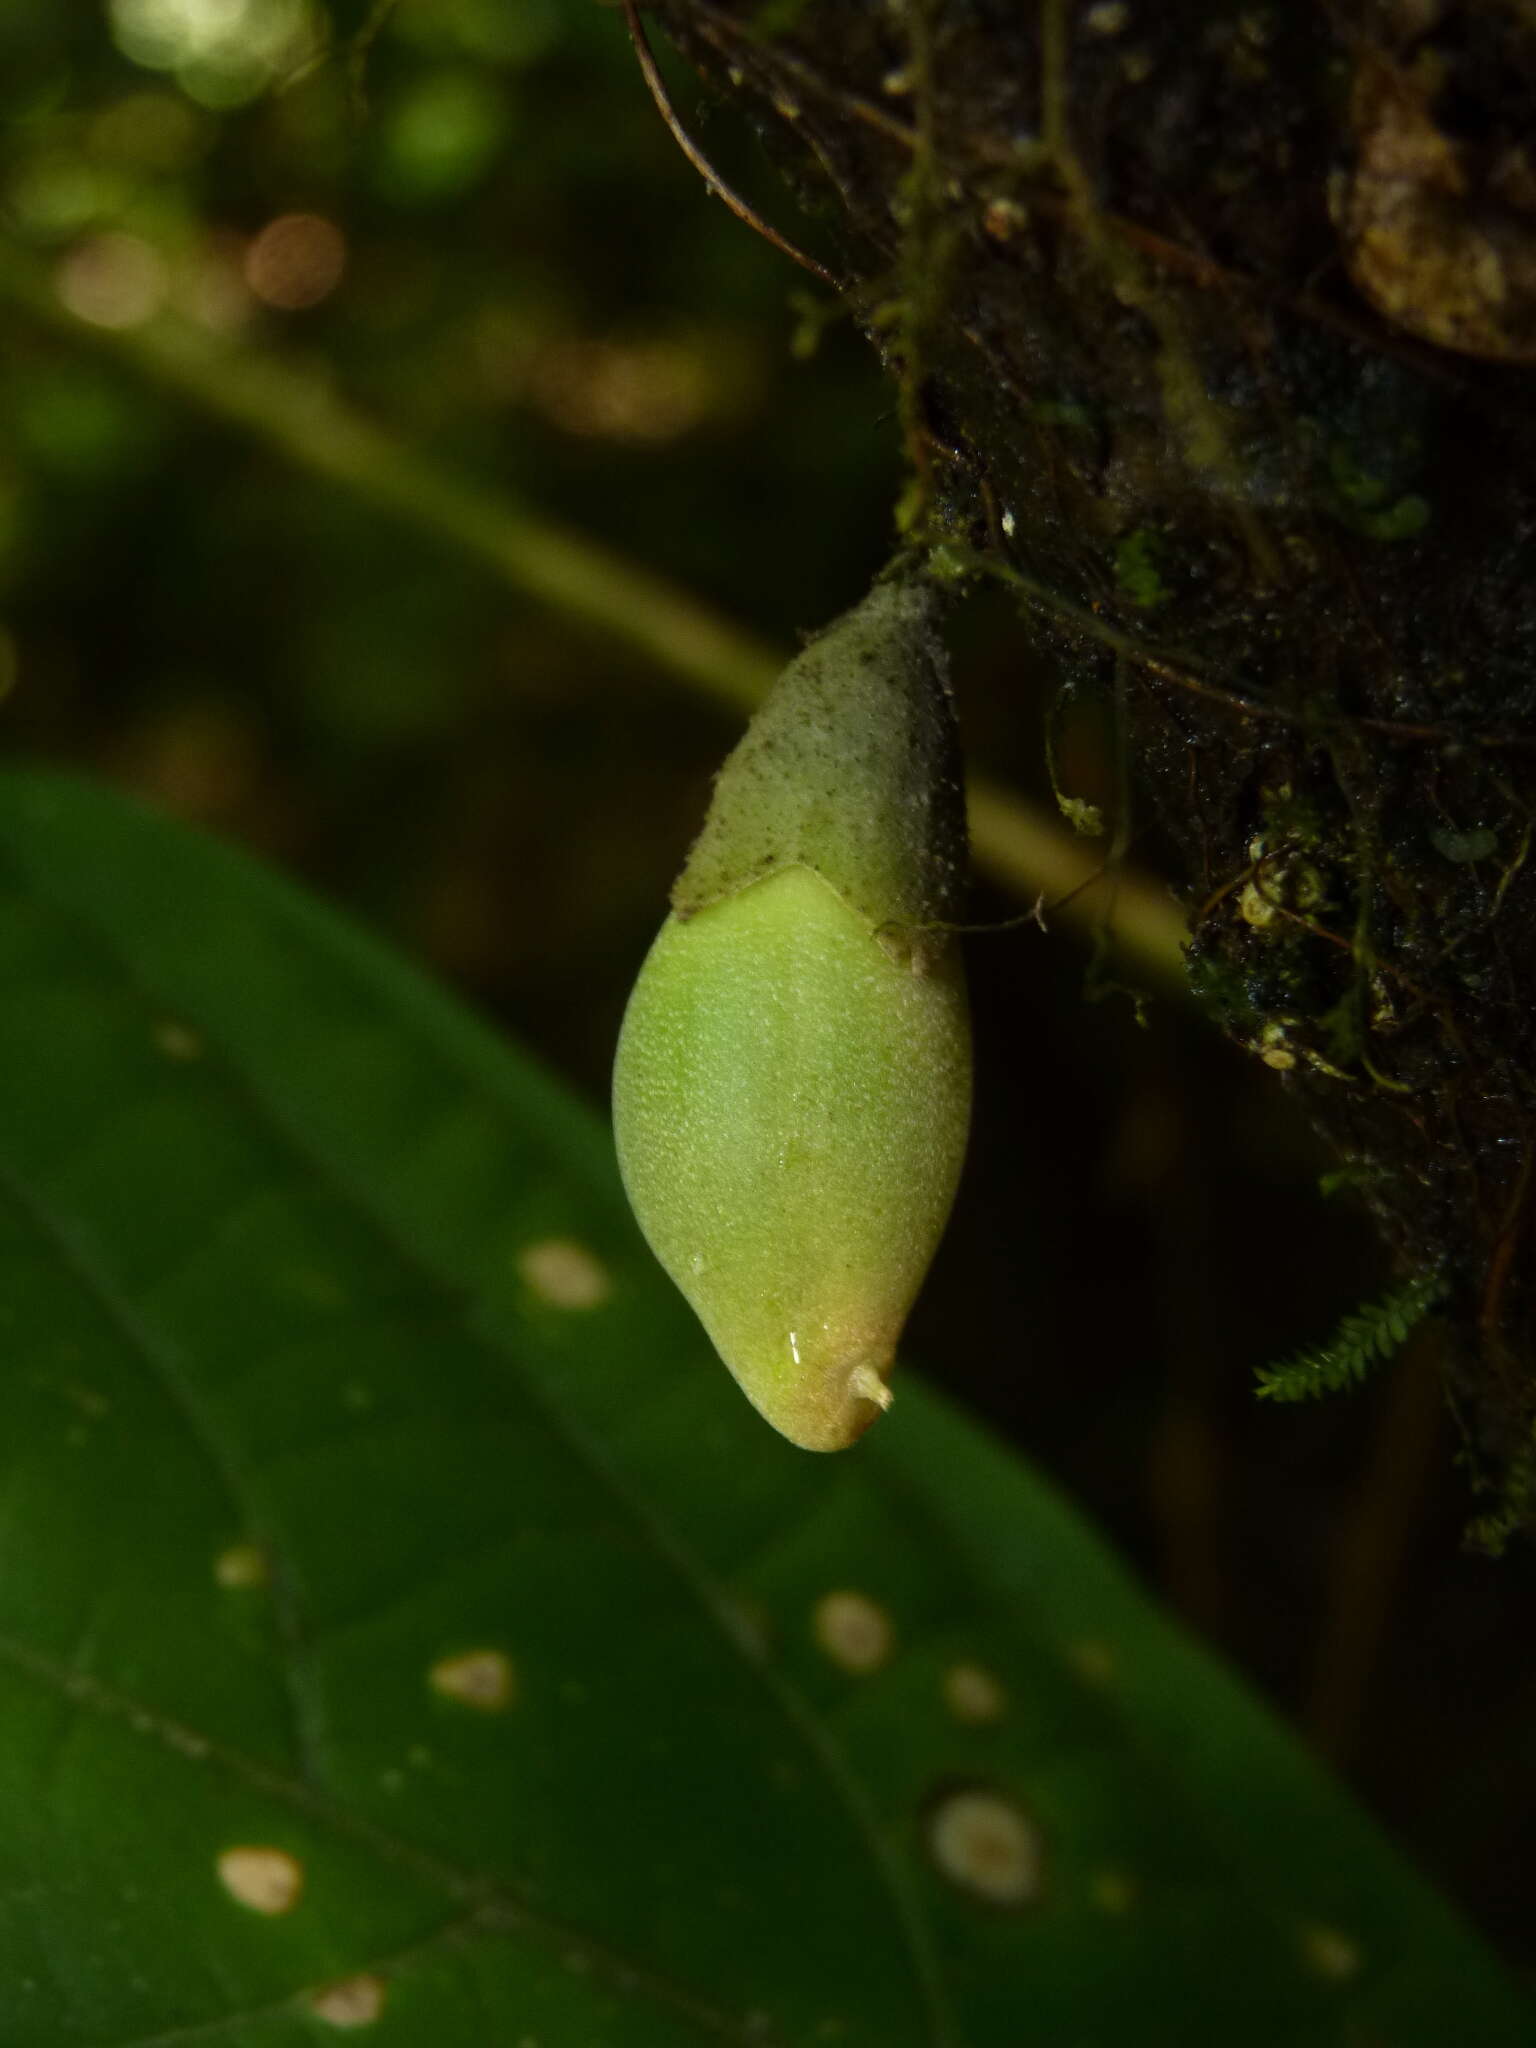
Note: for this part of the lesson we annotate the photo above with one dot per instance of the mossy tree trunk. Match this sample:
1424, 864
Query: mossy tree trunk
1212, 325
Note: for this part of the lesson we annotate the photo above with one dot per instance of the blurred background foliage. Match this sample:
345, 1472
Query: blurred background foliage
465, 217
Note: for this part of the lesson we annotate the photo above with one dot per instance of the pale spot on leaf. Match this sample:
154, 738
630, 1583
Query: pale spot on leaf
565, 1274
1093, 1662
241, 1566
1329, 1953
853, 1631
177, 1041
987, 1846
267, 1880
482, 1679
1112, 1891
355, 2002
972, 1694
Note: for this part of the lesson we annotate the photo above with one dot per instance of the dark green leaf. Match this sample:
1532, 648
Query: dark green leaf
369, 1502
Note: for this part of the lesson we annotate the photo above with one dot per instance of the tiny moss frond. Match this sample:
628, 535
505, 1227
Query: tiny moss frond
1362, 1340
1490, 1533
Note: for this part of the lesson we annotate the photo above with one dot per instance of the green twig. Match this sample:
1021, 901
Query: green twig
300, 418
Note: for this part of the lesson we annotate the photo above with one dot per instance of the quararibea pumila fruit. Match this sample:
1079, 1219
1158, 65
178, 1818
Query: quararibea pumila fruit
792, 1088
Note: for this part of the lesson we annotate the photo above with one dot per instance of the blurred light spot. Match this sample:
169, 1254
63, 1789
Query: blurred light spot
267, 1880
441, 138
987, 1846
1002, 219
178, 1042
241, 1567
113, 280
223, 52
154, 130
973, 1694
641, 391
356, 2002
853, 1631
1329, 1953
56, 194
482, 1679
296, 261
211, 288
564, 1274
1113, 1892
1094, 1662
161, 34
199, 758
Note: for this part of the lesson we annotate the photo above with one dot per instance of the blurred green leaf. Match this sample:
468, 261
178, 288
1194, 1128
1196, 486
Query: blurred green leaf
405, 1625
82, 426
483, 28
441, 136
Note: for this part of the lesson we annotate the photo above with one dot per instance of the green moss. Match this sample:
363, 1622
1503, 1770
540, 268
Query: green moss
1362, 1340
1223, 991
1464, 847
1062, 412
1136, 569
1516, 1511
1370, 503
1292, 817
776, 17
1081, 815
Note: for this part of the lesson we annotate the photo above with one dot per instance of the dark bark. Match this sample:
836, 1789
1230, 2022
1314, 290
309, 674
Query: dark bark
1212, 325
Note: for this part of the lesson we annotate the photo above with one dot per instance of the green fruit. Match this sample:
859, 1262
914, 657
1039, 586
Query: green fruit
792, 1087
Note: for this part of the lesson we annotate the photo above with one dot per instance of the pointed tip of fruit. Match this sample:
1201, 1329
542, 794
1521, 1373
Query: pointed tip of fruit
865, 1384
825, 1408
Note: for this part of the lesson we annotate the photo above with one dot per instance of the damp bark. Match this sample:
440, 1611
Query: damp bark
1213, 329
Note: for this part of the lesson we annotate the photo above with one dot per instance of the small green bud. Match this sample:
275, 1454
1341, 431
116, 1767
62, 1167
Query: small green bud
792, 1087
